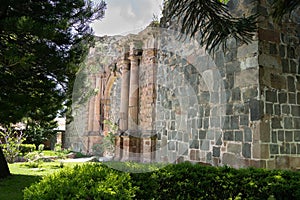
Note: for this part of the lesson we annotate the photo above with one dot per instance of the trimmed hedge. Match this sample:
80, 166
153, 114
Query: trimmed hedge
181, 181
190, 181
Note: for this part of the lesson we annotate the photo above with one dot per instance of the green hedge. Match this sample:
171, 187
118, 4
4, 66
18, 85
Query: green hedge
188, 181
181, 181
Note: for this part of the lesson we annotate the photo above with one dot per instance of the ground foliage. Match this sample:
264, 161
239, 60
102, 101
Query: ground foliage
180, 181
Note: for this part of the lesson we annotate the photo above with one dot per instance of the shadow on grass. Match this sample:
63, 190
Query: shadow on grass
13, 186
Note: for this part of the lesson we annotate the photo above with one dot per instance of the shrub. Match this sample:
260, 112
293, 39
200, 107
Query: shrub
27, 148
89, 181
188, 181
41, 147
181, 181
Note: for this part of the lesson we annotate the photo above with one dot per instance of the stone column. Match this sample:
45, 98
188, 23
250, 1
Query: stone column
124, 65
124, 95
133, 95
131, 142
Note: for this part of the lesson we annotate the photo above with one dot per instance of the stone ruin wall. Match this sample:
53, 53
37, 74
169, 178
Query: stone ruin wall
238, 107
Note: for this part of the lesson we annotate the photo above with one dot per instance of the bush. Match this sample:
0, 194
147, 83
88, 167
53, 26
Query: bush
188, 181
181, 181
27, 148
89, 181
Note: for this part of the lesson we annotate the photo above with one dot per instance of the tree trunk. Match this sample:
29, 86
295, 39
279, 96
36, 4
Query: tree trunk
4, 170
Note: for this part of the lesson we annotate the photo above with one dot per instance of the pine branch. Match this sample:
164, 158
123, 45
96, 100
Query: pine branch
211, 19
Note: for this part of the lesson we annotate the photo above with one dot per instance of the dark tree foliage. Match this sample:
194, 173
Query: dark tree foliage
212, 20
42, 43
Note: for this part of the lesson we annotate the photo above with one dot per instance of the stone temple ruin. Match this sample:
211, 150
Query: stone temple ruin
174, 102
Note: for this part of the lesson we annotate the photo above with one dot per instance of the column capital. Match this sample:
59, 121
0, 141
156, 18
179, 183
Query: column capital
123, 65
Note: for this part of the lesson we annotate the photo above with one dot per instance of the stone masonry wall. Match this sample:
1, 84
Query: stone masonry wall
208, 103
238, 106
279, 53
251, 118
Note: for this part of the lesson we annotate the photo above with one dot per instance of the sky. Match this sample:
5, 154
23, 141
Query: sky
126, 16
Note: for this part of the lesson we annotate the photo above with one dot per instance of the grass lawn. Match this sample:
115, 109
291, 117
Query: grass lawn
23, 176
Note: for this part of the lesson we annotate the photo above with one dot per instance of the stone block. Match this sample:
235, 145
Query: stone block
246, 150
271, 164
250, 62
210, 134
246, 78
277, 110
271, 96
234, 120
296, 136
228, 135
250, 93
291, 84
194, 144
285, 109
247, 50
236, 94
294, 163
281, 135
297, 123
234, 148
277, 81
282, 162
247, 134
276, 123
230, 160
261, 151
256, 110
274, 137
293, 148
269, 108
269, 35
288, 136
238, 136
269, 61
282, 97
258, 163
285, 66
274, 149
244, 120
288, 123
292, 98
204, 145
216, 152
295, 111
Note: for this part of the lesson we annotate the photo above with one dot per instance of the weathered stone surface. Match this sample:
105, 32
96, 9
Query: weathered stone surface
246, 78
246, 150
234, 148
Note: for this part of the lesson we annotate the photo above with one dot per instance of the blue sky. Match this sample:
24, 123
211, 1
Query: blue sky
126, 16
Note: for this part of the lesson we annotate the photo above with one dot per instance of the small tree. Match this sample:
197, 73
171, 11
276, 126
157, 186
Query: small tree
12, 139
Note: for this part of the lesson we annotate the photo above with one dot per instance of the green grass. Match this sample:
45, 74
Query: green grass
23, 176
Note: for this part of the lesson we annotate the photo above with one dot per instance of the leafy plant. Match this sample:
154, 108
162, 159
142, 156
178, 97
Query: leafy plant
12, 141
41, 147
107, 145
26, 148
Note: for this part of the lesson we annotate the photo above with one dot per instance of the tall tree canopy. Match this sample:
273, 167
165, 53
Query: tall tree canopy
42, 43
213, 21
